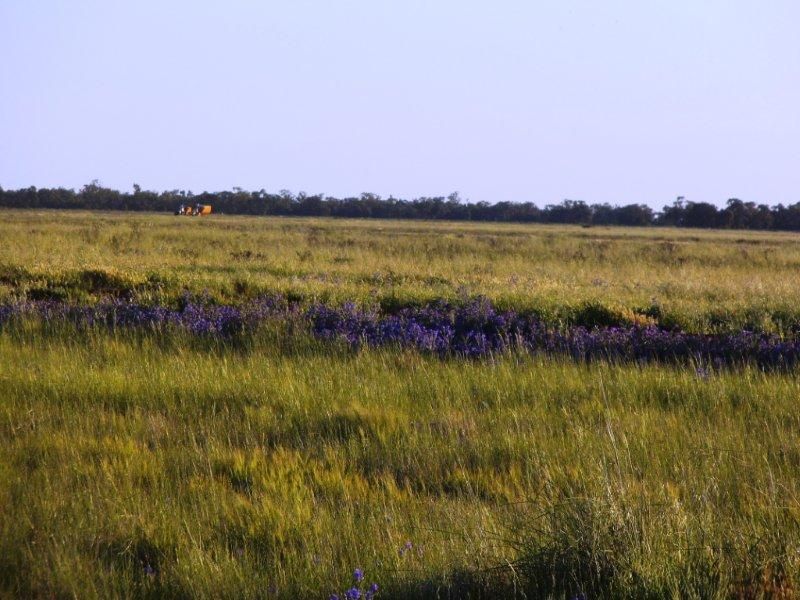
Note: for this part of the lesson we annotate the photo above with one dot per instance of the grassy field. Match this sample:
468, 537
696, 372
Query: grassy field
137, 464
698, 280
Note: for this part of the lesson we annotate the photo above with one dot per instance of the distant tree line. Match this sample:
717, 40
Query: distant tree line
737, 214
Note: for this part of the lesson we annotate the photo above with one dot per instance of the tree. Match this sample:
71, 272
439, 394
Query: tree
700, 214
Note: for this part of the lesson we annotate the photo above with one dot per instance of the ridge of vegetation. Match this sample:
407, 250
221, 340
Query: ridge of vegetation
737, 214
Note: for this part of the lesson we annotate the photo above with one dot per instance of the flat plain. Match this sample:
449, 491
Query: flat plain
693, 278
168, 466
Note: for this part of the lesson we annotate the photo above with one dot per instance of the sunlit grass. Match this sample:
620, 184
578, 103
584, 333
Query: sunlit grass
700, 280
136, 464
135, 467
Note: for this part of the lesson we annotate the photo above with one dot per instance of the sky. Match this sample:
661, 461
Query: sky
617, 101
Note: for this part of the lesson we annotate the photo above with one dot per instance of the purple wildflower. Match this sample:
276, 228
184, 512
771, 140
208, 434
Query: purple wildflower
474, 329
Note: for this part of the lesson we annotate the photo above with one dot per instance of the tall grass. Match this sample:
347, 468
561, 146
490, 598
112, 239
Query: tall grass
159, 467
136, 464
693, 279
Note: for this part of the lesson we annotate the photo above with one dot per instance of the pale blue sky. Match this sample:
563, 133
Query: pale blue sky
617, 101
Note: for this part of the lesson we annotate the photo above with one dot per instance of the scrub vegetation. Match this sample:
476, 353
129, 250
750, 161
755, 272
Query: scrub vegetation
162, 463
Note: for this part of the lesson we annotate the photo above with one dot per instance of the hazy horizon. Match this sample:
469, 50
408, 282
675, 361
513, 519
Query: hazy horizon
621, 102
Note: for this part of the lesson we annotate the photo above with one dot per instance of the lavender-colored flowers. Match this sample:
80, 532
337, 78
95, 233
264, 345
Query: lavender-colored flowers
477, 329
356, 592
353, 593
474, 329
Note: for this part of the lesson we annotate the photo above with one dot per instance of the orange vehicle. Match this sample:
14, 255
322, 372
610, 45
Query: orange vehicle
194, 210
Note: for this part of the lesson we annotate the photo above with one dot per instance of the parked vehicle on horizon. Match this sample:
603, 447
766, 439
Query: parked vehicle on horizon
194, 210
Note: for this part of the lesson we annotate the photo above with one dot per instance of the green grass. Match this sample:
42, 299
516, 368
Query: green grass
699, 280
277, 470
144, 465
